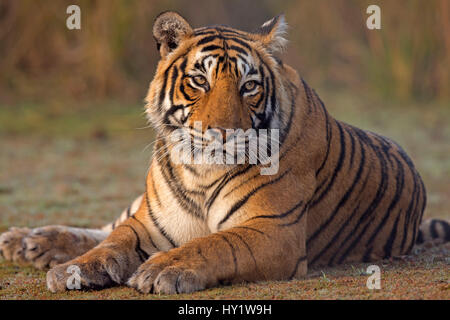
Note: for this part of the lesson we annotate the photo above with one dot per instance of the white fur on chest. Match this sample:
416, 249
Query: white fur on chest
180, 225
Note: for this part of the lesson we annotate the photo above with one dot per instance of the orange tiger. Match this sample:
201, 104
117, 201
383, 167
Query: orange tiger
340, 194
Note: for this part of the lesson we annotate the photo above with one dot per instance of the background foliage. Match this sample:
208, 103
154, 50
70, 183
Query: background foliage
114, 55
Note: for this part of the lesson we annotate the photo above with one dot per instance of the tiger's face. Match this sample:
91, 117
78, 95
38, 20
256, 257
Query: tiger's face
215, 78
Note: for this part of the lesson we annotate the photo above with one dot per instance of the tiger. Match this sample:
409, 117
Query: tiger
339, 195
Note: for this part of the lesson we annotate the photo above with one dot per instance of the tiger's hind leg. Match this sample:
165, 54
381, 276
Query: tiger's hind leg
11, 244
48, 246
52, 245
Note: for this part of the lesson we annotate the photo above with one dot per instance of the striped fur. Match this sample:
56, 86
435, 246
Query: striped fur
434, 230
127, 213
341, 194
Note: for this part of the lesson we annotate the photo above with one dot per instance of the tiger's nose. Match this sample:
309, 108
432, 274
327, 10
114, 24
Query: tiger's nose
223, 133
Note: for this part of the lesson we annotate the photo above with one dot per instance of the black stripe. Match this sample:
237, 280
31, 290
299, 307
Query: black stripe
414, 200
241, 42
299, 217
212, 48
233, 252
347, 194
265, 124
191, 169
366, 143
247, 246
172, 87
203, 33
367, 257
249, 180
342, 202
400, 180
187, 203
348, 221
226, 179
158, 201
244, 200
422, 209
309, 101
352, 143
409, 210
375, 202
420, 238
155, 222
230, 30
208, 39
328, 137
302, 258
391, 239
236, 71
211, 184
250, 228
353, 244
146, 231
337, 169
219, 61
143, 256
446, 226
171, 111
184, 93
39, 255
433, 229
239, 49
418, 214
162, 93
268, 116
280, 215
287, 128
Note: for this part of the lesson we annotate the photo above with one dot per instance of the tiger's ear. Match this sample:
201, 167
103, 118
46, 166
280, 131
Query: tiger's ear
169, 29
272, 32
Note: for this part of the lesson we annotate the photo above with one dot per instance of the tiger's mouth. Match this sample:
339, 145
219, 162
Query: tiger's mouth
213, 147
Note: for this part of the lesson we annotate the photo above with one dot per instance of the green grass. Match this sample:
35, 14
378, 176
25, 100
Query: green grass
71, 120
81, 168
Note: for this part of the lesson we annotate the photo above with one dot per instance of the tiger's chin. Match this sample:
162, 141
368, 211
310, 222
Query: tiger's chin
206, 163
210, 169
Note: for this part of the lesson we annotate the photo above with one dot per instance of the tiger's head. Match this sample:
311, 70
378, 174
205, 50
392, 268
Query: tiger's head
219, 76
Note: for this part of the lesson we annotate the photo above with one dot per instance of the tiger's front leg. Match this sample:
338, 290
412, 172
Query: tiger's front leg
111, 262
264, 248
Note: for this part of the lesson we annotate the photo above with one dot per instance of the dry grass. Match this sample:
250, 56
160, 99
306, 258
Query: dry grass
81, 169
399, 280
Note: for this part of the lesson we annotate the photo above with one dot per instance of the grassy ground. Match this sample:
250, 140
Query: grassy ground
81, 168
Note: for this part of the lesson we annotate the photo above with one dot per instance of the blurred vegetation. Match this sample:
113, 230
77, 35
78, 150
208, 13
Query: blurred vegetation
113, 56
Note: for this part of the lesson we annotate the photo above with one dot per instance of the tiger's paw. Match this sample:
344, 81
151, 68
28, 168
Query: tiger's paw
11, 247
99, 268
166, 273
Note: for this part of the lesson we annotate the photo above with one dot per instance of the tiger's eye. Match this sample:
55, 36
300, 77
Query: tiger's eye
200, 80
249, 85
